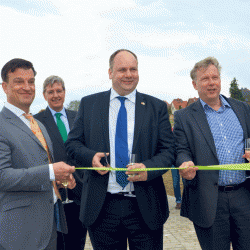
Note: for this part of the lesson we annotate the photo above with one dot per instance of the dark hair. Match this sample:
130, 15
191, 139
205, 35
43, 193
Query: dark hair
14, 64
112, 57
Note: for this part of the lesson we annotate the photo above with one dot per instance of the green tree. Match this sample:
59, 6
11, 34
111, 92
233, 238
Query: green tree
74, 105
235, 92
169, 110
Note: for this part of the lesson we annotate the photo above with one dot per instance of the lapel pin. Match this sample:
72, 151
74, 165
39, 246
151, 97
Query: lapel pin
142, 103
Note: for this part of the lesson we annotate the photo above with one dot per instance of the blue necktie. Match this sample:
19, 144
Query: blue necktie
121, 144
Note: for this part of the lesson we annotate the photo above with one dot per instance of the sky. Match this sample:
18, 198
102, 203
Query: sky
74, 39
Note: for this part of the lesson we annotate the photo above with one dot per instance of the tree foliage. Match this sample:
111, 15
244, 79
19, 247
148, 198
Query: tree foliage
235, 92
169, 110
74, 105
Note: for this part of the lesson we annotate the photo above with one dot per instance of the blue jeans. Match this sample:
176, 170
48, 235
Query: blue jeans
176, 185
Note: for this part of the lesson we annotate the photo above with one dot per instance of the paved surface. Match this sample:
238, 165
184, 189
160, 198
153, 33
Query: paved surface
178, 234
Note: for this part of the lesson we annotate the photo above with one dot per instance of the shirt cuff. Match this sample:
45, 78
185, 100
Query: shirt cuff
51, 172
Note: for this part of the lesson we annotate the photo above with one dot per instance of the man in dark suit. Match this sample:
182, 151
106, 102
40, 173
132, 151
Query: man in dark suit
30, 208
55, 113
211, 131
115, 207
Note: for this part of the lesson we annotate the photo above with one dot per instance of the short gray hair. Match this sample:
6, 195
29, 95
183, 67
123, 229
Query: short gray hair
51, 80
204, 64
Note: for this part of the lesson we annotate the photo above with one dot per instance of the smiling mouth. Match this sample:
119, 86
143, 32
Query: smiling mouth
127, 82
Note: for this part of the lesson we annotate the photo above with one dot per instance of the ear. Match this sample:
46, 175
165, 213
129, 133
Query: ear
195, 85
4, 86
110, 74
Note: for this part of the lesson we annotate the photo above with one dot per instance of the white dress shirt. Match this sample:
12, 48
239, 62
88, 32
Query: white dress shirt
114, 107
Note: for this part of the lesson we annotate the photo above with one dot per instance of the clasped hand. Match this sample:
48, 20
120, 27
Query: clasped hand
64, 172
135, 175
71, 183
189, 170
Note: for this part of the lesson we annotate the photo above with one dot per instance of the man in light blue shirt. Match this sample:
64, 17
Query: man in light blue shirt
212, 131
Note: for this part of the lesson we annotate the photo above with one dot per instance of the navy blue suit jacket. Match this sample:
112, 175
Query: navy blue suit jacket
194, 142
153, 143
46, 118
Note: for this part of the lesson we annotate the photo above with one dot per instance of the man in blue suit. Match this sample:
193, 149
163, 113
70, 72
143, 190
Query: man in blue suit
54, 115
115, 207
211, 131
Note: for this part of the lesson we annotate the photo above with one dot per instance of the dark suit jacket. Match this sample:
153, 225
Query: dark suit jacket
46, 118
153, 142
194, 142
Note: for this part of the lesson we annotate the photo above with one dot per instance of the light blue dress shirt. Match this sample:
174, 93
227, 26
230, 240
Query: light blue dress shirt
63, 117
229, 141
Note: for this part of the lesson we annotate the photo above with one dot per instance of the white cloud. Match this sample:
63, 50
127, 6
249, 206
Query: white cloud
76, 42
134, 11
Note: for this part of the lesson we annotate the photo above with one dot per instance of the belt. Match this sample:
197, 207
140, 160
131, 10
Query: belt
127, 194
231, 187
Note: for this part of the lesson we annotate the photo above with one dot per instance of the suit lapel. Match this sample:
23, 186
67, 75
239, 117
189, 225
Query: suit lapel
51, 125
140, 109
103, 107
240, 115
46, 137
12, 118
70, 117
201, 119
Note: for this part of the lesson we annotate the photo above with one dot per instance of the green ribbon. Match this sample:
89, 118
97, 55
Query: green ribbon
242, 166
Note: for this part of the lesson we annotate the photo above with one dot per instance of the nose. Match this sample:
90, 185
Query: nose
211, 81
128, 73
26, 85
55, 94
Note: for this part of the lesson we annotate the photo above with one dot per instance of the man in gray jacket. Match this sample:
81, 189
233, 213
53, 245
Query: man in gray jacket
30, 207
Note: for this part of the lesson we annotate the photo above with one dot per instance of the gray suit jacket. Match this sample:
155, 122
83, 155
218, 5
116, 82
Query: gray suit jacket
26, 197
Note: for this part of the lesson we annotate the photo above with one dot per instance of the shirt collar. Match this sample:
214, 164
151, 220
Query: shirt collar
17, 111
53, 112
223, 102
130, 97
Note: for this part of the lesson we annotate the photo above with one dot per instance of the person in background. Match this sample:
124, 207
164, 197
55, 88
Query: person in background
212, 131
116, 207
30, 205
58, 121
176, 186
